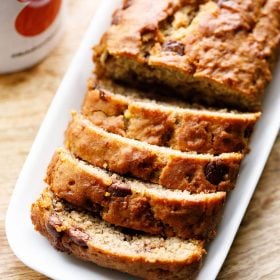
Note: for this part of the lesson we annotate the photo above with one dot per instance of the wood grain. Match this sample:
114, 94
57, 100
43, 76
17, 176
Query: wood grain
24, 99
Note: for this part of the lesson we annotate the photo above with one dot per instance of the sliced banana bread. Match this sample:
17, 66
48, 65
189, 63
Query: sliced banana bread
133, 204
89, 238
167, 167
217, 52
124, 111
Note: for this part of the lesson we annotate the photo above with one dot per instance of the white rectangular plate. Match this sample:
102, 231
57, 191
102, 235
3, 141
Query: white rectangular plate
33, 250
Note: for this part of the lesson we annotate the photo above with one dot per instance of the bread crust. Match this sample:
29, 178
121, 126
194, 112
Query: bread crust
132, 204
48, 219
201, 131
163, 166
220, 52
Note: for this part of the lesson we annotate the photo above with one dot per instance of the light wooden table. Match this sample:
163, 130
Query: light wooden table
24, 99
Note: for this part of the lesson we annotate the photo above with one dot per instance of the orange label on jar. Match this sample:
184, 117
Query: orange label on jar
36, 16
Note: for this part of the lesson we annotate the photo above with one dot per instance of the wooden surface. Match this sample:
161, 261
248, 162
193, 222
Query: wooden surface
24, 99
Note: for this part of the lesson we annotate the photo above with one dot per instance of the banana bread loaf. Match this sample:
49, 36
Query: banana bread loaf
167, 167
127, 112
87, 237
214, 51
130, 203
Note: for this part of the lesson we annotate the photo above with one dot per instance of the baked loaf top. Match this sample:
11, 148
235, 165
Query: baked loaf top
89, 238
128, 112
167, 167
224, 50
134, 204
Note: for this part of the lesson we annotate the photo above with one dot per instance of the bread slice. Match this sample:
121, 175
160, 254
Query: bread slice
133, 204
218, 51
126, 112
89, 238
167, 167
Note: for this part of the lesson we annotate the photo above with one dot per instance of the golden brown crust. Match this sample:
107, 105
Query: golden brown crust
225, 50
164, 166
48, 219
122, 202
201, 131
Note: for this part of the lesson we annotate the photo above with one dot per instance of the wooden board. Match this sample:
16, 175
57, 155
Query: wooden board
24, 99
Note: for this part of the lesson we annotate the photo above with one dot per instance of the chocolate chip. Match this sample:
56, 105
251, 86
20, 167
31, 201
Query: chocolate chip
248, 131
174, 46
52, 222
215, 172
102, 95
92, 207
239, 147
78, 237
71, 182
119, 189
227, 141
129, 231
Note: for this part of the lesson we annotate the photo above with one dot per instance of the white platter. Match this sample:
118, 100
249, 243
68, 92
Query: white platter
35, 251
